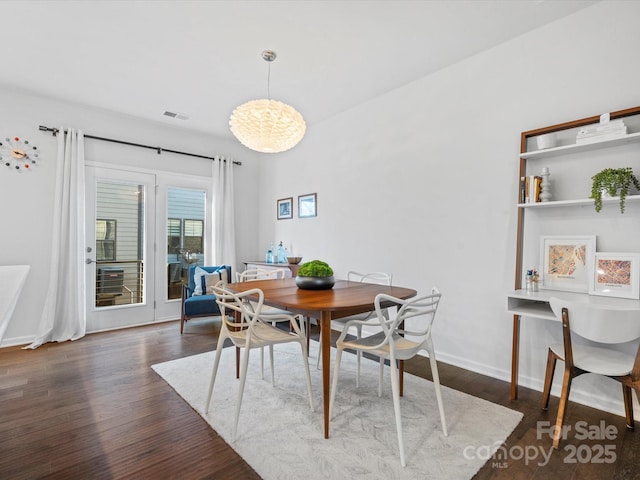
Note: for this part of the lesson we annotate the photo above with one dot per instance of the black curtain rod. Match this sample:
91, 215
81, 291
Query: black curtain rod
55, 131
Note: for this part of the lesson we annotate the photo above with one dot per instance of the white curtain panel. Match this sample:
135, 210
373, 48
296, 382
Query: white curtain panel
64, 315
223, 224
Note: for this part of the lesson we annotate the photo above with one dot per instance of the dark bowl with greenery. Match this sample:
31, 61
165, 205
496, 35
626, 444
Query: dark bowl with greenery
315, 275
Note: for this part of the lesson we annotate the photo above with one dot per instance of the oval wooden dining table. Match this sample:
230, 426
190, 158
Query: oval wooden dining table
344, 299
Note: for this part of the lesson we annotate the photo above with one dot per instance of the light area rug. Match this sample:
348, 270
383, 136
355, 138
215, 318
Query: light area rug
281, 438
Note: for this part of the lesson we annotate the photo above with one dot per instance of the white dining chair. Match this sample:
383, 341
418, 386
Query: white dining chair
603, 327
247, 329
380, 278
253, 274
392, 343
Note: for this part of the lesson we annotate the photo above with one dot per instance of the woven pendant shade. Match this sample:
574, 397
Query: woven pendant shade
267, 126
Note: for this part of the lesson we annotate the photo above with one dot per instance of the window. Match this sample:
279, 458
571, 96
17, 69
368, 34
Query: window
193, 235
185, 235
105, 240
174, 235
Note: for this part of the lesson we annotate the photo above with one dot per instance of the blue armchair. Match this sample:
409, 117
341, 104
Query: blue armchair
195, 301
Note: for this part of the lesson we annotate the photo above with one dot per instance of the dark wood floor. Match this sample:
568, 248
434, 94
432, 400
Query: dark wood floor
94, 409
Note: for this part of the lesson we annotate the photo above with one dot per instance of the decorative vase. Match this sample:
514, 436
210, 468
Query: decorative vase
315, 283
545, 187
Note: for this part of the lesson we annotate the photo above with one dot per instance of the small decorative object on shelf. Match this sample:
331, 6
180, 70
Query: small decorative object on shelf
545, 186
533, 280
613, 182
18, 154
607, 129
548, 140
315, 275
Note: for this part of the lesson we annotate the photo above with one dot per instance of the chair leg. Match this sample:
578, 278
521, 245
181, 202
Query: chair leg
216, 362
243, 378
319, 353
552, 358
308, 332
628, 406
305, 361
395, 388
334, 386
182, 320
562, 407
380, 375
359, 356
273, 373
436, 384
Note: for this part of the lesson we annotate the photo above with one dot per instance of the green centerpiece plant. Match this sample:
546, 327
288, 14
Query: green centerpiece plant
315, 275
613, 181
315, 268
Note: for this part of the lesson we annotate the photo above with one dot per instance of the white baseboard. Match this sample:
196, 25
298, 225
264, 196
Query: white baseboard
586, 397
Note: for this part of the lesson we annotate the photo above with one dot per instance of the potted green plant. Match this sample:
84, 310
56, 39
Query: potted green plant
315, 275
613, 181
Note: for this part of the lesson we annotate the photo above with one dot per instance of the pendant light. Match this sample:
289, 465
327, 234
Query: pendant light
266, 125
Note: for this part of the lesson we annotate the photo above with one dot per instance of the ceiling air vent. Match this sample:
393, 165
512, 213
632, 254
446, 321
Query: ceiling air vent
179, 116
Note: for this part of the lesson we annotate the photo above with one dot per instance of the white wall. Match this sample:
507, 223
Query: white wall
25, 198
422, 182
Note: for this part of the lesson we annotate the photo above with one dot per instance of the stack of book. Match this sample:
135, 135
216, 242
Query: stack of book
530, 188
601, 131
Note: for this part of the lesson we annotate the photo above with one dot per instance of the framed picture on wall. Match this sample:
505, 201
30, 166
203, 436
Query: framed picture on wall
615, 275
567, 262
307, 206
285, 208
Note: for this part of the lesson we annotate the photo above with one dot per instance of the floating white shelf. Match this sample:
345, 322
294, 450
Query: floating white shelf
583, 147
577, 202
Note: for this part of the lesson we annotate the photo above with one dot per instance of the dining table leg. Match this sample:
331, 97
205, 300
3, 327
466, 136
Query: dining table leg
325, 334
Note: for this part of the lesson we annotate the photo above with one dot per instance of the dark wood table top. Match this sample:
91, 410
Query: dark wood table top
345, 298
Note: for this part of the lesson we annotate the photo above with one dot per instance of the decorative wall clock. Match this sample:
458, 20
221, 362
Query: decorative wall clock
18, 154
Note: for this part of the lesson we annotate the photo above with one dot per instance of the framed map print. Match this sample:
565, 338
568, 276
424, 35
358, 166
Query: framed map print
566, 262
615, 275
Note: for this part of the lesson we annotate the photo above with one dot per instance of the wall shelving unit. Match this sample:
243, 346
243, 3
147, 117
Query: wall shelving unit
571, 210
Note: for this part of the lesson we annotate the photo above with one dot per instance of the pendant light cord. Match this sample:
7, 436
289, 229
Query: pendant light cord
269, 81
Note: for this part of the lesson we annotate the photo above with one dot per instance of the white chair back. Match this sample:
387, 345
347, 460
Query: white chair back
260, 274
425, 306
381, 278
234, 303
599, 323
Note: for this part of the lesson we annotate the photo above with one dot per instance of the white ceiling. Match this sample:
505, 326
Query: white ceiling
203, 58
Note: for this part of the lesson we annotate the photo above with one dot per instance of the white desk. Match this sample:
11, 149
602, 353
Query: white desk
12, 278
521, 303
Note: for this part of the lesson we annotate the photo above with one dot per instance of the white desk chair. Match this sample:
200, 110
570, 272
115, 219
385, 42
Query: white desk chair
253, 331
604, 326
380, 278
390, 343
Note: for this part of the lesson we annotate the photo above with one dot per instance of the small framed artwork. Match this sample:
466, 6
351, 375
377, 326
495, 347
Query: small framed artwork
285, 208
307, 205
567, 262
615, 275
